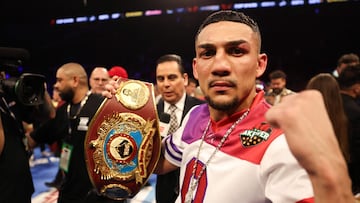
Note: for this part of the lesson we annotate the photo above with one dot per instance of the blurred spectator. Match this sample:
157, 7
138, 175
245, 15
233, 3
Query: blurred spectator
329, 88
118, 71
260, 85
99, 77
56, 146
343, 61
199, 94
277, 87
349, 82
191, 86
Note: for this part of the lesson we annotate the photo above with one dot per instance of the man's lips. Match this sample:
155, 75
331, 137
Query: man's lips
168, 93
221, 85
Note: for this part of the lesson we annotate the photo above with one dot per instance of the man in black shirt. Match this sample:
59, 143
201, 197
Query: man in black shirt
349, 82
70, 125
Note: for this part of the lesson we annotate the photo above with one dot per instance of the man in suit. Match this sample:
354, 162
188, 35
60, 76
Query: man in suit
171, 81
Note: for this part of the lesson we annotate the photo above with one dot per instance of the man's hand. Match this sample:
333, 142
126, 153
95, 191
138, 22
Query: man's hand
111, 87
311, 139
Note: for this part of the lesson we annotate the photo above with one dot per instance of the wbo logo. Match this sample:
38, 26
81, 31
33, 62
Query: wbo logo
256, 135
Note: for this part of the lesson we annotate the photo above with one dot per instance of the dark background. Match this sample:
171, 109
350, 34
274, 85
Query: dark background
301, 40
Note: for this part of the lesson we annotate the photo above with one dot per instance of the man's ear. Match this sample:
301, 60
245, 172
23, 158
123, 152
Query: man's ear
186, 79
262, 63
194, 69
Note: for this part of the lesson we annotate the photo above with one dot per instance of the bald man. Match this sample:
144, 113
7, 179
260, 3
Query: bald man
99, 77
70, 125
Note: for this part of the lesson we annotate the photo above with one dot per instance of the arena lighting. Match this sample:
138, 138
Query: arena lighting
65, 21
315, 2
282, 3
210, 8
266, 4
193, 9
115, 15
153, 12
169, 11
190, 9
104, 17
133, 14
297, 2
81, 19
92, 18
180, 10
245, 5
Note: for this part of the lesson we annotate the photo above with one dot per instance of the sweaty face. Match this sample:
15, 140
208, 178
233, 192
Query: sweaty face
98, 79
227, 64
171, 83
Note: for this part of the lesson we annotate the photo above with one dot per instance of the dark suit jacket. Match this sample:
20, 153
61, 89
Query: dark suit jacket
167, 185
189, 103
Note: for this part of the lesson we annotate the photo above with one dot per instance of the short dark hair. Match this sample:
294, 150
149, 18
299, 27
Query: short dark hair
192, 80
276, 74
172, 57
349, 76
230, 15
348, 58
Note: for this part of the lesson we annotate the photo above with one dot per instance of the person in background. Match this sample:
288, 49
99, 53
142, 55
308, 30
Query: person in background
278, 88
70, 125
191, 86
345, 60
99, 77
349, 82
330, 90
171, 81
118, 71
260, 84
16, 183
56, 146
199, 94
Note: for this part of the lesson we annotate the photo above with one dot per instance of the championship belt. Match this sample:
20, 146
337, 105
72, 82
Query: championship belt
122, 146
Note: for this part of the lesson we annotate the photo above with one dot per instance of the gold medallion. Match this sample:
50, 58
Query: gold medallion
132, 94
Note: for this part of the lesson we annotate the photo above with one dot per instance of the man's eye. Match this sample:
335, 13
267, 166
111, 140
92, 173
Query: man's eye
172, 77
236, 51
208, 53
160, 79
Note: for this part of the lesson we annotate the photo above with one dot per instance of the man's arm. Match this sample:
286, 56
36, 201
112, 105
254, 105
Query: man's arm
312, 140
164, 166
46, 110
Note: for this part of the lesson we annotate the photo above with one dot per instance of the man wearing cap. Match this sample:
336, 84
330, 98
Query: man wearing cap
118, 71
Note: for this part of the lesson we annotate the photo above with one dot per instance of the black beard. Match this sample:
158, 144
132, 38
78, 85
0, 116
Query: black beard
223, 106
277, 90
67, 94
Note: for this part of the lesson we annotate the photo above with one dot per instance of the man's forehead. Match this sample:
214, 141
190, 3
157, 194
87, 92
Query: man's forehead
225, 30
168, 68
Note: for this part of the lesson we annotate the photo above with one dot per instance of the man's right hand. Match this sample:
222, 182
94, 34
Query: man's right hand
111, 87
